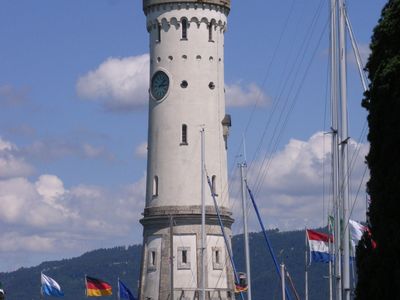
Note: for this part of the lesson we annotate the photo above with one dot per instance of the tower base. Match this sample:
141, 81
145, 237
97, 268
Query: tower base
177, 275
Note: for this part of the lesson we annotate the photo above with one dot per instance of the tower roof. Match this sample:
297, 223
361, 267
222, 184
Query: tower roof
149, 3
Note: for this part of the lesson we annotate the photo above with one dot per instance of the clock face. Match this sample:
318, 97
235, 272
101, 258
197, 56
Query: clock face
159, 85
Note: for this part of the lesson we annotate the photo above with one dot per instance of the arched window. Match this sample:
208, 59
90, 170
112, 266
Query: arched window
184, 140
155, 186
214, 185
158, 32
184, 29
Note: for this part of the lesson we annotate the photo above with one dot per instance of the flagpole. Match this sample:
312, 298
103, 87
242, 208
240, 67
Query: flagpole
118, 295
283, 281
171, 254
203, 219
305, 267
86, 286
330, 261
41, 291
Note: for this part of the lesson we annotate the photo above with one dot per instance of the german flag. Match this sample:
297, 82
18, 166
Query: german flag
97, 288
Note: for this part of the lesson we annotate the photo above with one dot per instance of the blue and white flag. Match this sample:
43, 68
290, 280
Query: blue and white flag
124, 292
50, 287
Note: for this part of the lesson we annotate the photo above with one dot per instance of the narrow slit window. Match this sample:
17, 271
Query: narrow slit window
152, 260
155, 186
184, 140
210, 32
159, 32
184, 257
214, 185
217, 258
184, 29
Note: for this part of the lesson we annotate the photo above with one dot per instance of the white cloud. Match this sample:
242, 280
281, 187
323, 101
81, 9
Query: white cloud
291, 194
141, 150
11, 165
238, 95
41, 218
119, 84
46, 218
5, 145
50, 187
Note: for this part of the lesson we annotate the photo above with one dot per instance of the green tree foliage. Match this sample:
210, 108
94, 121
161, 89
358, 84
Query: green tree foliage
379, 268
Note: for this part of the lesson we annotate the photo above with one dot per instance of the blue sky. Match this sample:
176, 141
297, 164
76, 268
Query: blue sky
73, 118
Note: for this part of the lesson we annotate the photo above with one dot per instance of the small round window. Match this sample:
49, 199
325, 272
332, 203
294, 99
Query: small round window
184, 84
211, 85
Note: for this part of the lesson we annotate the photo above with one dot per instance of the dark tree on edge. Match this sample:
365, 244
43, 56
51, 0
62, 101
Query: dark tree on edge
379, 268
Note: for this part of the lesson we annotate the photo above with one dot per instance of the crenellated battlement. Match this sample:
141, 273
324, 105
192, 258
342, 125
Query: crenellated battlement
151, 3
157, 5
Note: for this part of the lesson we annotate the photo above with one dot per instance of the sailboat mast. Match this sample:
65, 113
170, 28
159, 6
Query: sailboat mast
344, 151
245, 228
335, 150
203, 218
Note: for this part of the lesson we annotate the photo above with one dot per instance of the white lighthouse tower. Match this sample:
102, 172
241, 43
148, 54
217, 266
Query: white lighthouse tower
188, 129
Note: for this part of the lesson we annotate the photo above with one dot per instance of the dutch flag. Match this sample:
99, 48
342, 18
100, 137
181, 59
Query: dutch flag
319, 246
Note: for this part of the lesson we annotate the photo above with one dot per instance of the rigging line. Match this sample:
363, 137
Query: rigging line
285, 82
353, 159
292, 106
358, 147
271, 61
295, 65
215, 244
363, 77
232, 204
263, 84
295, 96
269, 68
229, 250
358, 190
282, 33
323, 141
271, 250
356, 198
